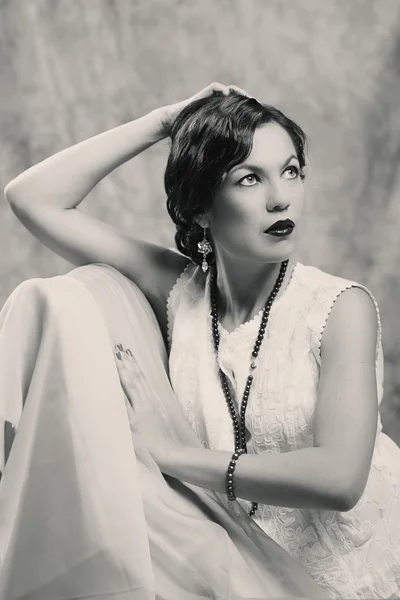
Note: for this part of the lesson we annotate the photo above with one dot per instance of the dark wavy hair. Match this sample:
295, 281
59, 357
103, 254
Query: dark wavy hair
208, 138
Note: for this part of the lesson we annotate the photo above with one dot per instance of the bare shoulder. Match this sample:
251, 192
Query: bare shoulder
346, 413
84, 239
352, 323
155, 269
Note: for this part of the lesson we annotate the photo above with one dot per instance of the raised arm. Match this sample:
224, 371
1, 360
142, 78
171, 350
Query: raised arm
46, 196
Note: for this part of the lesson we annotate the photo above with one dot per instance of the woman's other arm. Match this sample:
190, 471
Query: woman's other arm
331, 475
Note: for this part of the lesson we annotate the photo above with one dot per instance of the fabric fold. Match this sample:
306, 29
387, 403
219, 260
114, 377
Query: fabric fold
83, 512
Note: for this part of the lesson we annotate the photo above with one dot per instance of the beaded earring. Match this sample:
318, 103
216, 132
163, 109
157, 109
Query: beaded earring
205, 249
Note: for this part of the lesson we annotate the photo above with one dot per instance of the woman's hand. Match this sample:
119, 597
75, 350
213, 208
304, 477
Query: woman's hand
169, 113
147, 427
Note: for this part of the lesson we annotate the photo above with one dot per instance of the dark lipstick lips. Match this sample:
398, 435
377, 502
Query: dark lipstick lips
280, 225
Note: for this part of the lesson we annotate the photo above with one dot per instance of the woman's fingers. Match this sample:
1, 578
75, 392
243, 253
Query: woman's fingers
171, 111
132, 378
219, 87
126, 358
240, 91
214, 87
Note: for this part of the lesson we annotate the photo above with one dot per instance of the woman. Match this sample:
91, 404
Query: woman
277, 361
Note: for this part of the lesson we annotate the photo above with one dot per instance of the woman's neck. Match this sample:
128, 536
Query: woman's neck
244, 289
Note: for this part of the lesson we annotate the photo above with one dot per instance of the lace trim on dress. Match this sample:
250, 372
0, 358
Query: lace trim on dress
175, 295
354, 554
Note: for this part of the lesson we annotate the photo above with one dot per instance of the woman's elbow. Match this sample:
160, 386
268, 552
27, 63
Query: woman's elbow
345, 482
9, 194
345, 503
12, 192
346, 497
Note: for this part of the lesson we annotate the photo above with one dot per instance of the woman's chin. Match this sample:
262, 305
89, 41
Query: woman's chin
279, 247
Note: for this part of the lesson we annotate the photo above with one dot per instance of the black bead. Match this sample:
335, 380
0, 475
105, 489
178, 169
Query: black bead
239, 429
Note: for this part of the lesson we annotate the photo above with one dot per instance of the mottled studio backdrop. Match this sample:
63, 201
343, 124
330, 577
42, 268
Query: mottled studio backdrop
73, 68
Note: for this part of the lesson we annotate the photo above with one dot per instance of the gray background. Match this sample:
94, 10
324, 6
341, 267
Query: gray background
73, 68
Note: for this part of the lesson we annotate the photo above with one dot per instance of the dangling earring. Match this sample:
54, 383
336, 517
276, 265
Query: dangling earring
205, 248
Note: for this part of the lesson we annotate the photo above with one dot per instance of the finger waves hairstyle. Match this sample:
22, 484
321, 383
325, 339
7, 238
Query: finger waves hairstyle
208, 138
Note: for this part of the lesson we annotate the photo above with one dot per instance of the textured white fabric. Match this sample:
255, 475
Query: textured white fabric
84, 510
355, 554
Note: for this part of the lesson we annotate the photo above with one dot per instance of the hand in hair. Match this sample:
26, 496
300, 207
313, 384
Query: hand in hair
170, 112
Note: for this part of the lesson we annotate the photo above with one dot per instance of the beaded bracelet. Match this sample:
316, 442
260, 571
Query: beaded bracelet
230, 471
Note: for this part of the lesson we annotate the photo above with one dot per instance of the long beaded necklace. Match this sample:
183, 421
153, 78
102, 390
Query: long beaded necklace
239, 421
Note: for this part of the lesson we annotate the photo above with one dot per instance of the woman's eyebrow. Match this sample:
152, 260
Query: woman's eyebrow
253, 167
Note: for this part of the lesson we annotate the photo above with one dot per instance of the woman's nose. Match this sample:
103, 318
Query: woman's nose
277, 199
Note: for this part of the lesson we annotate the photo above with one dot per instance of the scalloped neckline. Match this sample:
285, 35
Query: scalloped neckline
251, 321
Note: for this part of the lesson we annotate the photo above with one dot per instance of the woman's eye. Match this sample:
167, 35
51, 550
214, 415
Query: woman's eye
294, 171
249, 180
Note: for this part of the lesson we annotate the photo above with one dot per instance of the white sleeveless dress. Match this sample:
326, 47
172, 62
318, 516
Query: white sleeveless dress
354, 554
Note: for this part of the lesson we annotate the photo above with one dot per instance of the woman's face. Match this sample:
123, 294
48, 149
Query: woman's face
266, 188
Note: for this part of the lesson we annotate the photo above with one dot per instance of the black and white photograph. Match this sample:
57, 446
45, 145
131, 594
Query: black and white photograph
199, 300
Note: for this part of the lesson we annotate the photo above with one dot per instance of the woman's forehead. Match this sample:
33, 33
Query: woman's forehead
271, 149
271, 143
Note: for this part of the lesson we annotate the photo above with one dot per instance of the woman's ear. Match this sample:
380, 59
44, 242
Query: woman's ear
202, 220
